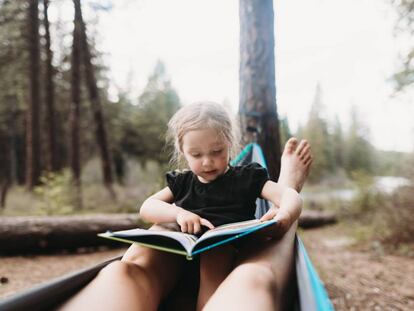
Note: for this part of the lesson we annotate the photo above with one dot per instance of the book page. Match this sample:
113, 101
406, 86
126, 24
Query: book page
141, 235
234, 228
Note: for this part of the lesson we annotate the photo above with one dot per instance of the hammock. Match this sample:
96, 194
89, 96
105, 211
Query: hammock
310, 296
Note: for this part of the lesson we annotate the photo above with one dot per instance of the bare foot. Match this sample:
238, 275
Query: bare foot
296, 162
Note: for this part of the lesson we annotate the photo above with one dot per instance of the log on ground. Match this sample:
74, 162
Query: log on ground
32, 234
313, 219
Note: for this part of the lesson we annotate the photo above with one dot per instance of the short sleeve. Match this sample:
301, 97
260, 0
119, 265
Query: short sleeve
174, 181
257, 176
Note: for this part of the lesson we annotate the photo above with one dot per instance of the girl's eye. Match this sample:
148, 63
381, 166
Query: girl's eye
217, 151
195, 155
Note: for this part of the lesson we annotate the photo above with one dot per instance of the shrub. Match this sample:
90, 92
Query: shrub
387, 218
56, 192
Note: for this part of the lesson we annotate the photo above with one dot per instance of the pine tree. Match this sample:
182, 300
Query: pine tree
257, 105
358, 154
33, 165
316, 132
405, 10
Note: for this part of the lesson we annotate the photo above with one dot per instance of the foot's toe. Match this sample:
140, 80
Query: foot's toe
307, 161
303, 143
291, 145
305, 152
304, 149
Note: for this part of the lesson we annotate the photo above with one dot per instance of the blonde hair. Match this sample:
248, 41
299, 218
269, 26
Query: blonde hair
197, 116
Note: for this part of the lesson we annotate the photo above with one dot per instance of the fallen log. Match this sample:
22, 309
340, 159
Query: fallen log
32, 234
313, 219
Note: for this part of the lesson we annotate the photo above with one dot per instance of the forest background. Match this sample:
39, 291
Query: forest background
69, 146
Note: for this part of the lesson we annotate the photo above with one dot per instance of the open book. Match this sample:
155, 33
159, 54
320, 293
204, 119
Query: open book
187, 244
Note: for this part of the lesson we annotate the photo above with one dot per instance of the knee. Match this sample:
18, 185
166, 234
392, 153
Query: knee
257, 276
136, 254
132, 275
120, 270
114, 268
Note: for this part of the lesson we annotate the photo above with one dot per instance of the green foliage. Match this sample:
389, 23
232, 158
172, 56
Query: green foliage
358, 152
365, 199
405, 26
335, 150
394, 163
285, 132
56, 192
316, 132
381, 217
55, 195
138, 130
400, 217
338, 144
13, 85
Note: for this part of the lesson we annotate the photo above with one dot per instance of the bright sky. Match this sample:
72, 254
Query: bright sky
345, 45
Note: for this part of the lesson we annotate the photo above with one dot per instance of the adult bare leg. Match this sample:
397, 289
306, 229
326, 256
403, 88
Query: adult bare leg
215, 266
258, 282
138, 282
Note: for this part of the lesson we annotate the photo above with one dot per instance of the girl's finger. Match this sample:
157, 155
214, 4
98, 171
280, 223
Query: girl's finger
183, 227
190, 227
269, 215
197, 227
206, 223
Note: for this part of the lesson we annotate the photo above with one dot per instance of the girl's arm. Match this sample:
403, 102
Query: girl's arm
158, 208
288, 201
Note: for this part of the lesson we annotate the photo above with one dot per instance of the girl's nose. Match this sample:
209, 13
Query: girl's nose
207, 161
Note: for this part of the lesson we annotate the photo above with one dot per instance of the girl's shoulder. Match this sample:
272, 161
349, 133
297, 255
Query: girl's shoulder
177, 174
250, 167
252, 178
251, 171
178, 179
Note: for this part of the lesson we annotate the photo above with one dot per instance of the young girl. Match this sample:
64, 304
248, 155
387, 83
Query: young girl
212, 192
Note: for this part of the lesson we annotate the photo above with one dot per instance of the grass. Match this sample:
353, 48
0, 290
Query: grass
54, 197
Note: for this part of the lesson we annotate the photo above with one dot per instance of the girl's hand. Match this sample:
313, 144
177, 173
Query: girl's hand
284, 221
191, 223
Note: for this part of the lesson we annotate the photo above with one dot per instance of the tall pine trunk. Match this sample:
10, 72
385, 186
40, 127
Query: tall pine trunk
32, 118
257, 106
74, 114
50, 95
100, 132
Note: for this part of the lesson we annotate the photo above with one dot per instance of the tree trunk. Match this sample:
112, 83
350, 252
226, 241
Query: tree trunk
13, 152
5, 171
3, 193
50, 95
257, 106
74, 114
100, 132
32, 121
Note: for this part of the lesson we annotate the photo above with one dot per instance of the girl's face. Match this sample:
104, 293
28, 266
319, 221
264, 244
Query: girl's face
206, 153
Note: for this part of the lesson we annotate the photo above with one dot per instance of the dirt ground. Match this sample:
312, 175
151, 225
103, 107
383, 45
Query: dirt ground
355, 279
360, 278
18, 273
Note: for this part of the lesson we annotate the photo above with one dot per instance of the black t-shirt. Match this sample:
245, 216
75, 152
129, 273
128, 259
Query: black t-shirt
229, 198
